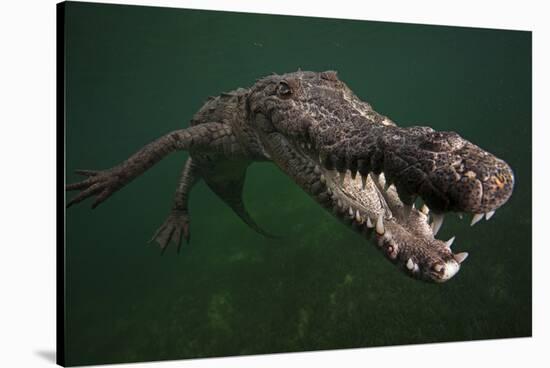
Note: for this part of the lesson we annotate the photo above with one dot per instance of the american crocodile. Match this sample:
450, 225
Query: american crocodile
391, 184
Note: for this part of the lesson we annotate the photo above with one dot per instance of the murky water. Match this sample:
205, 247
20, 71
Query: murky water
136, 73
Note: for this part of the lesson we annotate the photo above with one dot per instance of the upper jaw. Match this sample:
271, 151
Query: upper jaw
448, 172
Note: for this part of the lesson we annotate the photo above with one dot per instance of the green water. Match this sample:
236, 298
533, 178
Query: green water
136, 73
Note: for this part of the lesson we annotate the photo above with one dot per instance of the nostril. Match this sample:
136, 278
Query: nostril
497, 189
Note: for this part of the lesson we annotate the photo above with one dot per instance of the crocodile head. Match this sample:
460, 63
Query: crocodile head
390, 183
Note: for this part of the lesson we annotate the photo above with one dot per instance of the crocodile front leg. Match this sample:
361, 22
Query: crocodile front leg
207, 137
177, 223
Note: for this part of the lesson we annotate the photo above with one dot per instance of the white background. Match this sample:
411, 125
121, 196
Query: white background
27, 182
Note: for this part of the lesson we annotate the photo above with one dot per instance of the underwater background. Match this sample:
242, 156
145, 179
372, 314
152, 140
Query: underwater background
134, 74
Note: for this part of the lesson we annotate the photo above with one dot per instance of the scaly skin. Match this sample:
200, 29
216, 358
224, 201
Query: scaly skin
353, 161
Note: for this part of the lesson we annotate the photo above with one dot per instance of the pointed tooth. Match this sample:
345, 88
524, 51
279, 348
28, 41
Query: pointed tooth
358, 216
437, 222
380, 225
489, 214
382, 180
460, 215
410, 264
477, 217
369, 223
425, 210
460, 257
317, 170
363, 181
350, 211
322, 179
340, 204
449, 242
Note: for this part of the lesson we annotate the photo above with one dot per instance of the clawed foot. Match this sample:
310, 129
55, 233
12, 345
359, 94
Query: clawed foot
99, 183
174, 228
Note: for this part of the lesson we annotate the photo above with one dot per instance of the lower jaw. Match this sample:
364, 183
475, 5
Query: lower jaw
382, 233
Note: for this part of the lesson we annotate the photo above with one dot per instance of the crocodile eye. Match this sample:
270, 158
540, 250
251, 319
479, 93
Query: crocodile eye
284, 89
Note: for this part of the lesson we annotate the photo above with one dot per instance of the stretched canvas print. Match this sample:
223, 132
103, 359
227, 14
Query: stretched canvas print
241, 184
